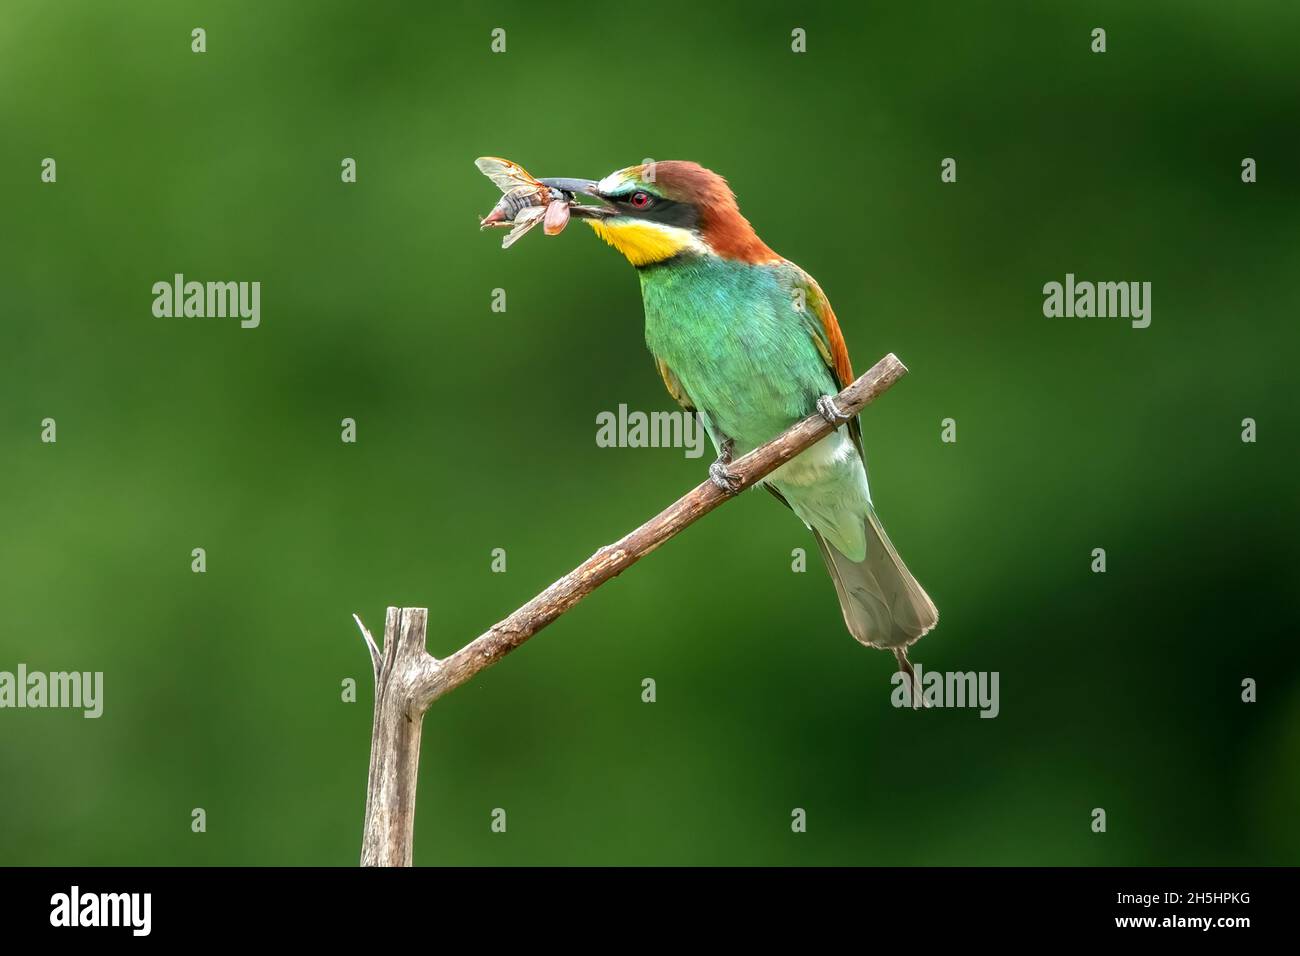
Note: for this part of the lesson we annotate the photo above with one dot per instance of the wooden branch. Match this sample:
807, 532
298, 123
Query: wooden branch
376, 656
410, 679
394, 742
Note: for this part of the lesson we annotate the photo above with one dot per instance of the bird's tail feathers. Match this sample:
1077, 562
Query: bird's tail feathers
884, 606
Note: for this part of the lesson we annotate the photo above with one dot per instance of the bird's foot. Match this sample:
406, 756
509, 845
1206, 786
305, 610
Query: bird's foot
719, 474
828, 410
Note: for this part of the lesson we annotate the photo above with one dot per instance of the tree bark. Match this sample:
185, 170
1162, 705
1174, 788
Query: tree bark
395, 742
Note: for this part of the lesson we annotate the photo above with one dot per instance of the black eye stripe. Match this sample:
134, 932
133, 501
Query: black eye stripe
667, 211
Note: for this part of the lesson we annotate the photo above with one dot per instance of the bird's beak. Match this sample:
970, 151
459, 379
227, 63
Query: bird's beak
582, 187
585, 187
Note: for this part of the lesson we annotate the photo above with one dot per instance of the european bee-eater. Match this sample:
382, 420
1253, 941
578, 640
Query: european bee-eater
748, 341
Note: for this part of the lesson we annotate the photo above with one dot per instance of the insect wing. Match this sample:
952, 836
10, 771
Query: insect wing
526, 220
505, 175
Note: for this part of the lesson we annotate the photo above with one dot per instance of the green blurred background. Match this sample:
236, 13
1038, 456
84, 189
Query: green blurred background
476, 431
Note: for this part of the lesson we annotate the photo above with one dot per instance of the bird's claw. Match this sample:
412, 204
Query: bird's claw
719, 474
727, 481
828, 410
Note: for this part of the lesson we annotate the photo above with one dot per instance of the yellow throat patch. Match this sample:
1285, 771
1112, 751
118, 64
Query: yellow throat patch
643, 242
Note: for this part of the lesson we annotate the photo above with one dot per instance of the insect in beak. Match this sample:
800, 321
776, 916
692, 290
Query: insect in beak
526, 201
582, 187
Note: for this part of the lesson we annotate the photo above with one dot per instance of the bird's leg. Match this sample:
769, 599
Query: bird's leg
828, 410
718, 473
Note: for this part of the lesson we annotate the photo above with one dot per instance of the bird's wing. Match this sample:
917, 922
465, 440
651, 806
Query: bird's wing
673, 385
819, 319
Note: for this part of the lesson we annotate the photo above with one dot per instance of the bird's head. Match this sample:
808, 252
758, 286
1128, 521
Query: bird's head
659, 211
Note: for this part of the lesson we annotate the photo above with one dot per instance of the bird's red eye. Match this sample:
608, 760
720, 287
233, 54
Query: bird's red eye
640, 200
